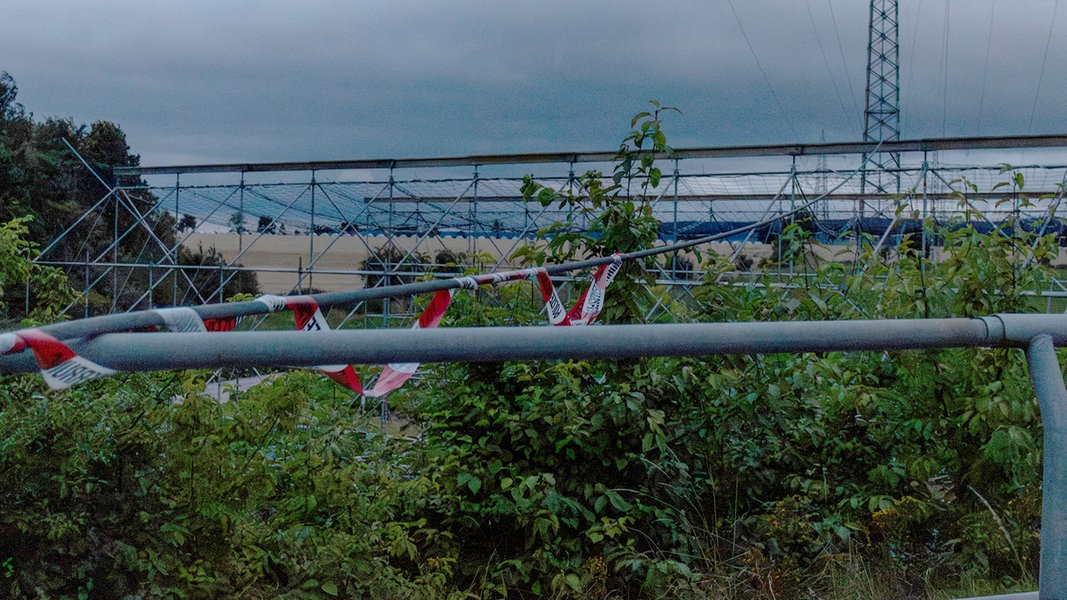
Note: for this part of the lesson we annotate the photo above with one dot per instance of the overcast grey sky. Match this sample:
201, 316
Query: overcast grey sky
221, 81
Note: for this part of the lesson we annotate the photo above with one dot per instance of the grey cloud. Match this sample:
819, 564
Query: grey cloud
278, 80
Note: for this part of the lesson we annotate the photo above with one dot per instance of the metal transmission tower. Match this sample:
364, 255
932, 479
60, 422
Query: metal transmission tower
882, 112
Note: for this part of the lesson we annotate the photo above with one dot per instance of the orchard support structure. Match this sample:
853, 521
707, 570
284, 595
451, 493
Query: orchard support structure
403, 213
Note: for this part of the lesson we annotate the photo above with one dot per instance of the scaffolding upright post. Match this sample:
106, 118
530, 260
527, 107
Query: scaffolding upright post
311, 235
177, 215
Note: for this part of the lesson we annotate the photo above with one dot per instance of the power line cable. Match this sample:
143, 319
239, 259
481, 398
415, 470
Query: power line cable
1044, 60
766, 79
844, 63
944, 70
909, 78
985, 67
825, 59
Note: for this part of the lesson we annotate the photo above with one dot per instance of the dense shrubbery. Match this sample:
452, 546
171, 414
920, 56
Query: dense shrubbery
756, 475
727, 476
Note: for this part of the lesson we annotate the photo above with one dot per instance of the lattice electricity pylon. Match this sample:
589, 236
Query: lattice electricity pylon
882, 112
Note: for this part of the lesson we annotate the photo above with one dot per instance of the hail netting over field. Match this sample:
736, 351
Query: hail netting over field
382, 222
493, 207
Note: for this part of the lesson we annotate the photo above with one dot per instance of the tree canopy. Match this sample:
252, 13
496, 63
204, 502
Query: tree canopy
44, 184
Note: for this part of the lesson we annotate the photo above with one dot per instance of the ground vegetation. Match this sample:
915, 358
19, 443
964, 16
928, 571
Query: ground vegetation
912, 474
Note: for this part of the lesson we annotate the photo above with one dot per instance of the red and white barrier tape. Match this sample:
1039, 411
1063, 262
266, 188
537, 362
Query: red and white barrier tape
308, 317
59, 365
395, 375
62, 367
182, 319
588, 307
589, 304
557, 315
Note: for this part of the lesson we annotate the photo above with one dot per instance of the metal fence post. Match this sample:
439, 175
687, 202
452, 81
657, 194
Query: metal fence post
1048, 384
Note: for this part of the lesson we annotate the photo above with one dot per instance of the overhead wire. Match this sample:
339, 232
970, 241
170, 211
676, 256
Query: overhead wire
844, 63
912, 24
944, 69
766, 79
825, 59
985, 67
1044, 60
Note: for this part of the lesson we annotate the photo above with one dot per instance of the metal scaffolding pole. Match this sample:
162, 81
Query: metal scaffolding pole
1047, 378
164, 351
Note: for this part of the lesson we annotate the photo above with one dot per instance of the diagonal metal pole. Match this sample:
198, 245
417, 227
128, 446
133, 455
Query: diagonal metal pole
1048, 220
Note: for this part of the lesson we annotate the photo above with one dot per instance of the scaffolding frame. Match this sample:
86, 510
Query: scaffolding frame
423, 209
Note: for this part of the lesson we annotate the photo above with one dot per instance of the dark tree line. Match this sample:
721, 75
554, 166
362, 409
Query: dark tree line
42, 178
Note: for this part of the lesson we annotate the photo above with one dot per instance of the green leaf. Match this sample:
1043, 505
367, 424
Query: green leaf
573, 582
660, 140
474, 483
330, 588
819, 302
618, 501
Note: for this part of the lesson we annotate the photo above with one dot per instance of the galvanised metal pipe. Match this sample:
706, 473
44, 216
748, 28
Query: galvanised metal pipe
164, 351
1047, 378
1018, 330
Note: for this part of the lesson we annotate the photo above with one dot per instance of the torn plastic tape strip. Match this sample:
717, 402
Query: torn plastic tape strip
60, 366
220, 324
557, 315
181, 319
307, 314
308, 317
347, 378
435, 311
592, 301
392, 378
11, 343
395, 375
272, 302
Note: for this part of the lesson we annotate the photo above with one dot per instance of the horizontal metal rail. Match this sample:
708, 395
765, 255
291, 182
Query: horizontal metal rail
821, 149
163, 351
